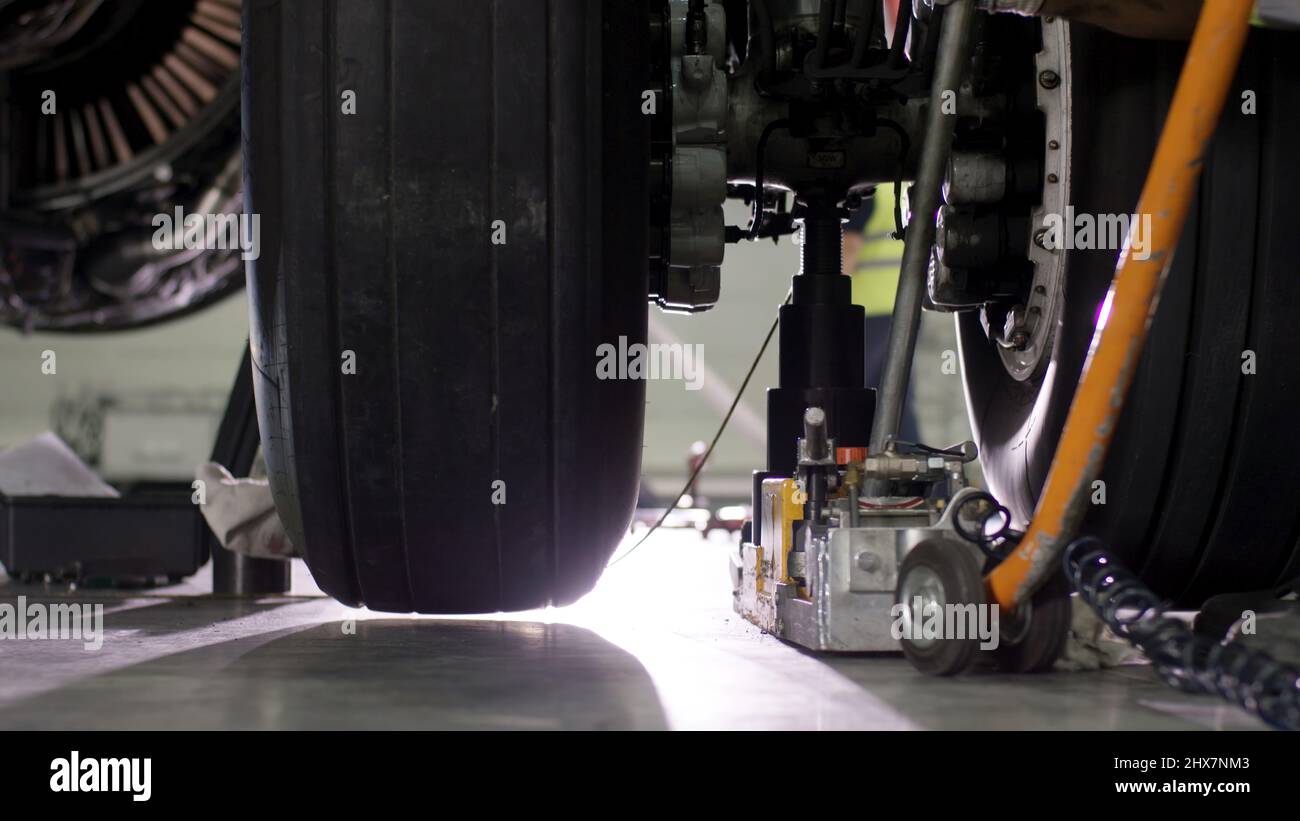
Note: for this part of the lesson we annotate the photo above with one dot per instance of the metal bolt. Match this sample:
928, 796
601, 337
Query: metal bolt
1049, 79
1053, 178
1040, 239
1013, 329
1053, 144
868, 562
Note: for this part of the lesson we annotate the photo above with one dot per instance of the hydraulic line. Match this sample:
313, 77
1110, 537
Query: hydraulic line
1190, 662
863, 40
1117, 344
756, 223
825, 28
766, 39
954, 53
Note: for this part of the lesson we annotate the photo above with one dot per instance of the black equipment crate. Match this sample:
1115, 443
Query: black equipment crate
131, 539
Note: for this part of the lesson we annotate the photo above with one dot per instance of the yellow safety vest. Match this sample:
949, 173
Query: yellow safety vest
875, 271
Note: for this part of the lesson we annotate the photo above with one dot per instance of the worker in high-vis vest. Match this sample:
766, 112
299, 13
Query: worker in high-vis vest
873, 257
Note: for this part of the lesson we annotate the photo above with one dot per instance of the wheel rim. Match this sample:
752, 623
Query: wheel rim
1042, 305
923, 583
1014, 630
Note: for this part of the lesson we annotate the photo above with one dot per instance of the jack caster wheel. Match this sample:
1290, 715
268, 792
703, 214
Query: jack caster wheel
1033, 639
939, 574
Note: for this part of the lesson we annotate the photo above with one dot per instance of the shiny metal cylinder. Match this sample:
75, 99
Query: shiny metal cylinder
975, 178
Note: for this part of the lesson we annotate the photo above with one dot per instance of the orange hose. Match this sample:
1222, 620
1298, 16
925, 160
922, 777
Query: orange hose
1167, 196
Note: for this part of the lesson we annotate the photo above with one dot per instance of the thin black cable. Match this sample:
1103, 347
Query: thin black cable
993, 544
699, 466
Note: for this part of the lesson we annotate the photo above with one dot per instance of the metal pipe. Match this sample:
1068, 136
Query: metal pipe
954, 53
234, 574
1117, 343
766, 38
825, 25
863, 41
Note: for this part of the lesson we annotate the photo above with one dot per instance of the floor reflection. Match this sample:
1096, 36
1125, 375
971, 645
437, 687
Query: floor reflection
656, 645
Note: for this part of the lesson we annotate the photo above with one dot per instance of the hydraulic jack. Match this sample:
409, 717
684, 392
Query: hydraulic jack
856, 549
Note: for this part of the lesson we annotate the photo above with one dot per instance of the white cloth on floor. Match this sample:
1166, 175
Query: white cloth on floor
242, 514
1092, 646
46, 466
